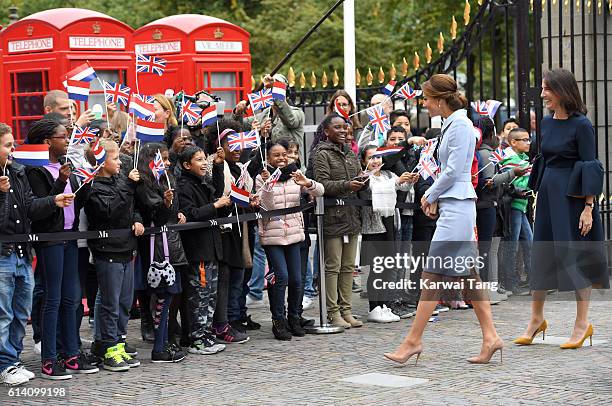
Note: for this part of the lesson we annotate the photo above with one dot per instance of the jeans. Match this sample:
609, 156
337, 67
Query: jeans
38, 297
160, 321
406, 230
485, 224
114, 300
236, 302
520, 229
308, 276
16, 286
62, 298
256, 282
286, 262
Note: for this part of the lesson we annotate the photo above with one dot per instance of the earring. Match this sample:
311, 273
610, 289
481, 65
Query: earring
438, 104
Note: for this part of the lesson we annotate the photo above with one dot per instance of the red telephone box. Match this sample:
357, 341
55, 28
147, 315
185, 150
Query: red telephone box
38, 51
203, 53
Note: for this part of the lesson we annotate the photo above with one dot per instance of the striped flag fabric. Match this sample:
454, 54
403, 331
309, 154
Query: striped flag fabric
492, 106
148, 131
116, 93
388, 89
157, 165
142, 106
99, 152
239, 196
244, 140
279, 90
261, 100
83, 72
32, 154
150, 64
379, 119
480, 107
497, 156
82, 135
86, 175
338, 109
190, 112
269, 185
209, 115
407, 93
77, 90
386, 151
428, 168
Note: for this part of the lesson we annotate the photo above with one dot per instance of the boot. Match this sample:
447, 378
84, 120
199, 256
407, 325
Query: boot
348, 317
295, 327
336, 320
279, 329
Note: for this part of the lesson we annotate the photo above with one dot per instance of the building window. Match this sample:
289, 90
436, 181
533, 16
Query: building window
27, 94
226, 85
96, 93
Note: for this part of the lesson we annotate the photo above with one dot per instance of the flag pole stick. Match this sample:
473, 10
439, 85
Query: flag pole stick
483, 168
182, 109
136, 73
218, 134
105, 106
5, 163
238, 221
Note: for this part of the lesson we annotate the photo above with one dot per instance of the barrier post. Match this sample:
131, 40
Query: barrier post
323, 327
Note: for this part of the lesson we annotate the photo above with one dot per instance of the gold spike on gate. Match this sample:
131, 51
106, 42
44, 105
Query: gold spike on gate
302, 81
440, 43
404, 67
453, 28
392, 72
589, 3
313, 80
252, 83
543, 5
610, 7
466, 12
291, 77
599, 7
381, 75
358, 77
335, 78
480, 2
428, 53
554, 2
324, 79
369, 77
531, 6
416, 61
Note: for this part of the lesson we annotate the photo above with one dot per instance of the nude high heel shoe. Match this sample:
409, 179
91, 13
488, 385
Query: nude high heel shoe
402, 359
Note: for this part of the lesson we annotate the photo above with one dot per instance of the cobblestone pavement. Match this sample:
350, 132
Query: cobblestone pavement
308, 370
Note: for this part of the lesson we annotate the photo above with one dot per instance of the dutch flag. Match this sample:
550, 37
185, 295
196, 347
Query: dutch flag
385, 151
209, 115
148, 131
99, 152
279, 91
83, 73
142, 106
239, 196
32, 154
77, 90
388, 89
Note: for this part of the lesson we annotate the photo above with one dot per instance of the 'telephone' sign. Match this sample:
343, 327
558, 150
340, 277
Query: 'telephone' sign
30, 45
154, 48
97, 43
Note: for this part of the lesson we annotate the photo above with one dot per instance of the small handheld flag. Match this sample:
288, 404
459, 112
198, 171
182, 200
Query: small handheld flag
116, 93
86, 175
142, 106
385, 151
209, 115
388, 89
148, 131
77, 90
261, 100
83, 135
497, 156
492, 106
279, 90
244, 140
428, 168
190, 112
239, 196
480, 107
157, 166
83, 72
269, 185
379, 119
150, 64
243, 174
407, 93
99, 152
32, 154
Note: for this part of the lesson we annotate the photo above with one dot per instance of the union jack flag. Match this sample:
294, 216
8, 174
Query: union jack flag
190, 112
429, 148
407, 93
497, 156
150, 64
428, 168
83, 135
243, 175
480, 107
86, 175
157, 165
245, 140
379, 119
269, 185
117, 93
262, 99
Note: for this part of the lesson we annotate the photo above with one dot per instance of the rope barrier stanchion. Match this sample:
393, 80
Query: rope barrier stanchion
323, 327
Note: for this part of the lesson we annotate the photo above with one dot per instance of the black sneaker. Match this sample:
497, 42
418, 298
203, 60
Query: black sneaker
250, 324
54, 370
179, 353
237, 325
166, 356
280, 331
79, 364
128, 349
306, 322
295, 327
129, 359
228, 334
113, 360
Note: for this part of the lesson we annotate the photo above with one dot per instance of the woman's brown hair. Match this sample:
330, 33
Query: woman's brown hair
444, 87
563, 84
330, 107
167, 106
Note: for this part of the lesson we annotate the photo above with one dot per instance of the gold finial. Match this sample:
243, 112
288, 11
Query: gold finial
554, 2
610, 6
577, 4
466, 12
404, 67
589, 4
357, 77
381, 75
543, 5
335, 78
416, 61
440, 43
252, 83
428, 53
599, 6
291, 77
392, 72
369, 77
324, 79
531, 6
565, 6
302, 81
313, 80
453, 28
480, 2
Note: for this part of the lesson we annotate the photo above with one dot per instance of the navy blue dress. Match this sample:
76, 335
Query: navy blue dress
563, 259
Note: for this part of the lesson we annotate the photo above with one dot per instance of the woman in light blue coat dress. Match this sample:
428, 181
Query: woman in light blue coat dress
453, 253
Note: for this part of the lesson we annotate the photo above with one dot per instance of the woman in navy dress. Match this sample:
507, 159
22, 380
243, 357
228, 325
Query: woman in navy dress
568, 252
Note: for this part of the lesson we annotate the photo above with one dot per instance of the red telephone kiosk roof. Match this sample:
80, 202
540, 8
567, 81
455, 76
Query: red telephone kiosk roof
62, 17
191, 22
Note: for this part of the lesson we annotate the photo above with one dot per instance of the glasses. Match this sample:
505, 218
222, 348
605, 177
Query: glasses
343, 104
524, 139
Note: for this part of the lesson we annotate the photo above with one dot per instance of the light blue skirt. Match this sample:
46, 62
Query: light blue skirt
454, 249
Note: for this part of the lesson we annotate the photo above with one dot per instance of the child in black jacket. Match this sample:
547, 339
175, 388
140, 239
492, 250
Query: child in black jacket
203, 245
109, 204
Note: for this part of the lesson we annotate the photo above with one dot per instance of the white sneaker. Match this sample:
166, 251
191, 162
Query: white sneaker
37, 347
307, 303
23, 371
11, 376
254, 303
377, 315
392, 316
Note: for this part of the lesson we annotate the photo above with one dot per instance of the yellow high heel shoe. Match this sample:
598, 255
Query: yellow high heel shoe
587, 334
528, 340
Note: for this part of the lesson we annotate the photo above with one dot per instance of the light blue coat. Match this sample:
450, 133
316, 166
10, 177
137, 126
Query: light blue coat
455, 153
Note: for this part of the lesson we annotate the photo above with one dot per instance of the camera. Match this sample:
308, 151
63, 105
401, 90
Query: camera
202, 99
